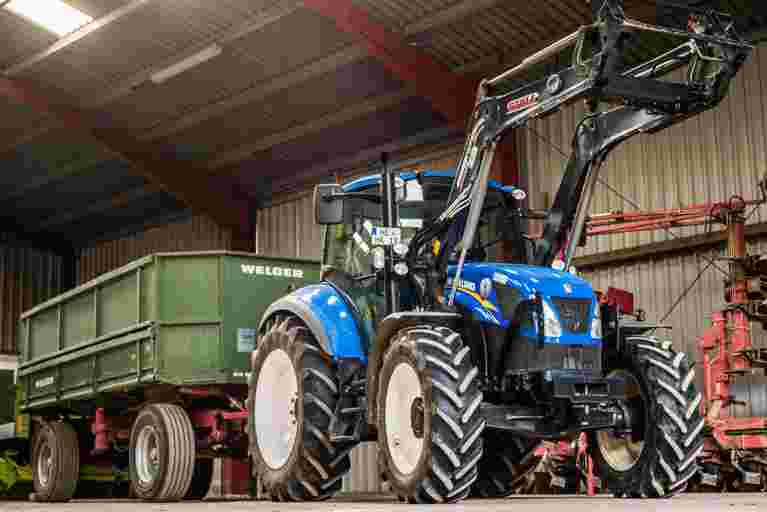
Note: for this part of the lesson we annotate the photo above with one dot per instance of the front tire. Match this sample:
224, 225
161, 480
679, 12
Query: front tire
162, 453
292, 399
55, 462
429, 421
660, 456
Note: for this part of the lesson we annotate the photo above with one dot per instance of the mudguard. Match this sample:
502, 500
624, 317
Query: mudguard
328, 315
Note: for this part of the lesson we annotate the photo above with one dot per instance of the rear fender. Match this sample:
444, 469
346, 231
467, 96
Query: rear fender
388, 327
327, 315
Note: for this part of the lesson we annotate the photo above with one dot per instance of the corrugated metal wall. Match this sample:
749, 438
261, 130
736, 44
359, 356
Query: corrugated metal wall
288, 230
197, 233
709, 157
27, 277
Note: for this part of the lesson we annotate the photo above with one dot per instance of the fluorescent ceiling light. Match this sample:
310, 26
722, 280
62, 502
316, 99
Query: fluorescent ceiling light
54, 15
186, 64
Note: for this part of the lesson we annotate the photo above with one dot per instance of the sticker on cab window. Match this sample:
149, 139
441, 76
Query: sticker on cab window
386, 236
411, 223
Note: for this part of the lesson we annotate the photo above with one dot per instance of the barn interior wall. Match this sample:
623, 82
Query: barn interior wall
195, 233
27, 277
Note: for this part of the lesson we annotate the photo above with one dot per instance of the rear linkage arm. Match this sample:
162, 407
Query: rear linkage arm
714, 54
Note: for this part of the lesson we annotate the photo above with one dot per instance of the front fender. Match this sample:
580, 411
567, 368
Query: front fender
327, 315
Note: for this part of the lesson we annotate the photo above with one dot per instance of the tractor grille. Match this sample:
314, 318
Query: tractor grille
573, 314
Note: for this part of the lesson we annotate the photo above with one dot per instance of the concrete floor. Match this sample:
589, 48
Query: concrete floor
684, 503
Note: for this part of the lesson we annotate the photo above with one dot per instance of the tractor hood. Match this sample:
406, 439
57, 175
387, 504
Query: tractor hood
527, 279
497, 294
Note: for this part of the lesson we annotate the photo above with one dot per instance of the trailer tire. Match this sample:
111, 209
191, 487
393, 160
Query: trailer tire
55, 462
665, 407
295, 461
201, 479
507, 466
429, 421
162, 453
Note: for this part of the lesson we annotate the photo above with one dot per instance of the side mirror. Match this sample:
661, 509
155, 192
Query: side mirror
328, 209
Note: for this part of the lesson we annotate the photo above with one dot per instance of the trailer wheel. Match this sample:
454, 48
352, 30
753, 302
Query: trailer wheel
292, 402
162, 453
201, 479
429, 422
507, 466
660, 456
55, 462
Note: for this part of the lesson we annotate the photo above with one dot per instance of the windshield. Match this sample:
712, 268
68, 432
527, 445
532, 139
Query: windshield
349, 246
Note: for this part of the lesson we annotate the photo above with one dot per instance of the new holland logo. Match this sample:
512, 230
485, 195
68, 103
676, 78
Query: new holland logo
263, 270
523, 102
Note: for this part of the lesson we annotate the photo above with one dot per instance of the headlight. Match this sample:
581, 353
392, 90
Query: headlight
551, 325
596, 323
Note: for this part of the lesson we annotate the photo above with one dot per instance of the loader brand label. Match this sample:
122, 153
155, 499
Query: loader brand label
467, 285
263, 270
523, 102
42, 383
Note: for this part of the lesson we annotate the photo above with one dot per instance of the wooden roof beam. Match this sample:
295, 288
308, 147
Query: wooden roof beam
218, 198
449, 93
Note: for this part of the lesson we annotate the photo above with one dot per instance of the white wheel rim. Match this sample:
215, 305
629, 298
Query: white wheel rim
45, 464
403, 392
147, 455
274, 414
620, 452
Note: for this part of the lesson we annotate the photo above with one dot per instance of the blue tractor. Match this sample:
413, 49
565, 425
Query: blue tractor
459, 365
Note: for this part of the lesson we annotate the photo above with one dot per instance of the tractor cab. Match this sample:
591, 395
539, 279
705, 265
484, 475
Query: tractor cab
353, 253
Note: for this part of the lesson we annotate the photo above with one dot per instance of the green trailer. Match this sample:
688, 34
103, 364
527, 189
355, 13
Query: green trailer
147, 366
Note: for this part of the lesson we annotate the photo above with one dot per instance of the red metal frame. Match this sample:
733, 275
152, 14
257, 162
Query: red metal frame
726, 347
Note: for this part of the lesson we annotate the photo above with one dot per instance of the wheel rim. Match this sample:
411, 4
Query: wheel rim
404, 418
147, 453
274, 414
621, 452
45, 464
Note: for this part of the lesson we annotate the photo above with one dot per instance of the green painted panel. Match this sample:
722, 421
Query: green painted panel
189, 289
191, 317
148, 293
117, 361
78, 322
76, 374
7, 396
250, 286
118, 304
44, 333
43, 383
147, 354
189, 353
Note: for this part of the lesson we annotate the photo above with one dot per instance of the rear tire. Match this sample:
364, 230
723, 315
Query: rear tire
507, 466
662, 458
292, 401
429, 421
162, 453
55, 462
201, 480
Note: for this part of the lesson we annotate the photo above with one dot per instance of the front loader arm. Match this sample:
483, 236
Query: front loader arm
645, 103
